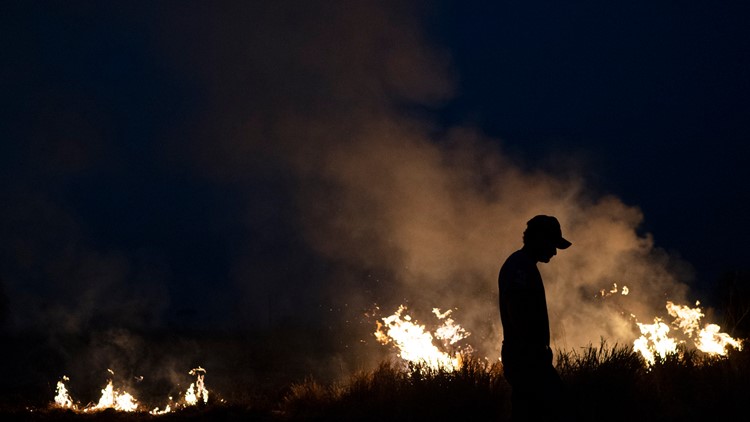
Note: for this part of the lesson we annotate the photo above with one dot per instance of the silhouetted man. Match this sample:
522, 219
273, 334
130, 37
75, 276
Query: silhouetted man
526, 354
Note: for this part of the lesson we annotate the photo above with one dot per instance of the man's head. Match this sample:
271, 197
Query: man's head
543, 237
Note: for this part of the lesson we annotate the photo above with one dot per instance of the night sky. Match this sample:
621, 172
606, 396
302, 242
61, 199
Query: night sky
166, 162
652, 96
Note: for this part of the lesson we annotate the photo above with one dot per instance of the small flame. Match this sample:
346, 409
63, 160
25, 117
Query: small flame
113, 399
197, 390
110, 398
166, 410
126, 402
416, 345
450, 331
62, 399
686, 319
614, 290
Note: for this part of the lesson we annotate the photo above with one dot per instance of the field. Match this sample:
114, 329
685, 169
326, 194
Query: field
603, 382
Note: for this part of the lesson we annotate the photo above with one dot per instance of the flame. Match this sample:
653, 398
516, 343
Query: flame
614, 290
112, 399
62, 399
710, 340
197, 390
126, 402
415, 344
166, 410
686, 318
655, 339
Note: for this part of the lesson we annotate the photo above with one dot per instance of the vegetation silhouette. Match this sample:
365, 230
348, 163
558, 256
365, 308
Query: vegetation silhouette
603, 381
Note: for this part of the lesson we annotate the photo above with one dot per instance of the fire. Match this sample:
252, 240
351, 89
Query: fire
112, 399
658, 339
416, 344
710, 340
614, 290
197, 390
126, 402
655, 339
62, 399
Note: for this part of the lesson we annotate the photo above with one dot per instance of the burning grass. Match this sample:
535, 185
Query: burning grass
602, 382
611, 382
430, 375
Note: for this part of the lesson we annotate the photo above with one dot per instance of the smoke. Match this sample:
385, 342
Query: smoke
60, 284
292, 174
398, 208
441, 218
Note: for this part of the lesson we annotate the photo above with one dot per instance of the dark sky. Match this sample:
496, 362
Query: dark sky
121, 123
652, 95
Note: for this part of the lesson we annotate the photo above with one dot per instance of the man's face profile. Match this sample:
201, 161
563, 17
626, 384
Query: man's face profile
546, 252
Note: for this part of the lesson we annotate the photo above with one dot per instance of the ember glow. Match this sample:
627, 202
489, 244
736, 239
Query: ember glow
614, 290
123, 401
416, 344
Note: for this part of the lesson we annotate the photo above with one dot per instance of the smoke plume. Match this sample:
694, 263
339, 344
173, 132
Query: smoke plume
277, 165
398, 208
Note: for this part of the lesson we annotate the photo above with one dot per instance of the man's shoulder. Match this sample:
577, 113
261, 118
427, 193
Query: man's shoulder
517, 270
518, 259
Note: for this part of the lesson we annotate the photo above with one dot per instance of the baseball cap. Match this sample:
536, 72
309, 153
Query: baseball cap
548, 227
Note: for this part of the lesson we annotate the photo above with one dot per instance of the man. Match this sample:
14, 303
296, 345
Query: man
526, 354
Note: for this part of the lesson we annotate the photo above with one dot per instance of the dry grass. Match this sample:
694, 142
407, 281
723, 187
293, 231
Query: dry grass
602, 383
395, 392
615, 382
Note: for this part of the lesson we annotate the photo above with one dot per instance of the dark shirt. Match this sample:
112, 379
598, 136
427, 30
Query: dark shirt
523, 305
